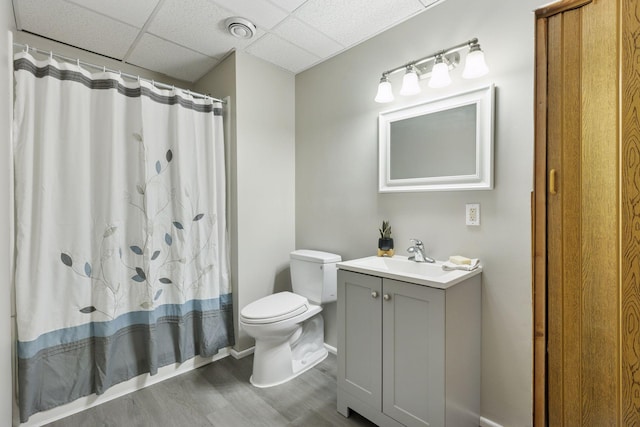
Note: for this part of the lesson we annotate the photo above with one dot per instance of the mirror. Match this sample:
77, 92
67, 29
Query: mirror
446, 144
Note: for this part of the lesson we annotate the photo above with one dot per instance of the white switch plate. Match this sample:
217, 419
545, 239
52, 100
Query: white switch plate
473, 214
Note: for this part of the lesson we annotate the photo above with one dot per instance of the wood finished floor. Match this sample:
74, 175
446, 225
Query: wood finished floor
219, 394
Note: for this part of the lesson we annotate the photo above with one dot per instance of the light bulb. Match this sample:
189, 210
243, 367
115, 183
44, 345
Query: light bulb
385, 92
475, 66
439, 74
410, 83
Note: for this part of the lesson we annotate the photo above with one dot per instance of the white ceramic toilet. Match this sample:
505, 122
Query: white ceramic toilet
288, 327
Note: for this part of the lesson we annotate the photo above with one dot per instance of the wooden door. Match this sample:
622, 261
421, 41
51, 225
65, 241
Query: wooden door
582, 247
586, 208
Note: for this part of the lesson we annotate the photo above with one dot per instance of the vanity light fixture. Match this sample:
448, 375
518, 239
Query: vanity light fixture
410, 82
439, 74
385, 92
475, 66
436, 65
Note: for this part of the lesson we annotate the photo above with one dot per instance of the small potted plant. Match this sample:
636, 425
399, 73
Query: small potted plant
385, 242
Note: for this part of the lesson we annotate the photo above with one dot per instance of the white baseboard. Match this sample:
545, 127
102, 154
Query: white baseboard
240, 354
121, 389
488, 423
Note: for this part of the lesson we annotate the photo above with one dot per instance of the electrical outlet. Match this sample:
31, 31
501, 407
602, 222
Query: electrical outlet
473, 214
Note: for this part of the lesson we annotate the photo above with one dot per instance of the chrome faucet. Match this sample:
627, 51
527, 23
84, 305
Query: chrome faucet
417, 251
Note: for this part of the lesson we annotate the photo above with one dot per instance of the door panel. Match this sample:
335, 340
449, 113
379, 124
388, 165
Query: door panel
359, 336
587, 306
413, 381
630, 215
564, 213
582, 220
599, 225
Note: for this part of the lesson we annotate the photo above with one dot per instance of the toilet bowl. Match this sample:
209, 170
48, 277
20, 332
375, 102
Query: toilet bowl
286, 343
288, 327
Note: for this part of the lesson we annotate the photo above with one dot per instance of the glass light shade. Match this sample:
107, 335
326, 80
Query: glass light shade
475, 66
440, 75
385, 92
410, 83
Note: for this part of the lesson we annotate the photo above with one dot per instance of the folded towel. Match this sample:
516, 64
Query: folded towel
460, 260
475, 263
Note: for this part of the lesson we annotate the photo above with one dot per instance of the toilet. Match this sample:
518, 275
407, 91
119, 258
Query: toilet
287, 326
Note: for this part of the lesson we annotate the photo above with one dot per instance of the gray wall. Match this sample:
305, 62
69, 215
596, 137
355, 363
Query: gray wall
222, 82
261, 172
266, 179
338, 208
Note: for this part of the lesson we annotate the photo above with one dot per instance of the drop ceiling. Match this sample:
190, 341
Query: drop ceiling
185, 39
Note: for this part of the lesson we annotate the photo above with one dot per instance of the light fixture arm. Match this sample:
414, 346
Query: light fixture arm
433, 56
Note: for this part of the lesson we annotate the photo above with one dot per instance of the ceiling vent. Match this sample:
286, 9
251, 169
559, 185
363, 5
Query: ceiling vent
240, 27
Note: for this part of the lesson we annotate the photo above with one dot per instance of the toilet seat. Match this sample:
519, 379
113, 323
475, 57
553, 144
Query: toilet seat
274, 308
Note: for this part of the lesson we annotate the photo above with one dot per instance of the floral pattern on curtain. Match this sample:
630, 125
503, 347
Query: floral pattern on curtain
121, 251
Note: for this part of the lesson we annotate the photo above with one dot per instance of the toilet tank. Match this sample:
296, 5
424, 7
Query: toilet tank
314, 275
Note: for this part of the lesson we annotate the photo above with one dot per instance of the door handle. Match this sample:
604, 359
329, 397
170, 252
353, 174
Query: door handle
386, 297
374, 294
552, 182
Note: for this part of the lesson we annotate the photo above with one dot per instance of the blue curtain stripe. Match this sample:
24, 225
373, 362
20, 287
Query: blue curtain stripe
29, 349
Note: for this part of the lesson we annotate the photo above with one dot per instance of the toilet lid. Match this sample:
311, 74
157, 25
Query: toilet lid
274, 308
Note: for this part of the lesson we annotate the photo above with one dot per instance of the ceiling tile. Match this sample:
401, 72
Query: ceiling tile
294, 34
260, 12
352, 21
198, 24
288, 5
133, 13
307, 38
174, 60
280, 52
77, 26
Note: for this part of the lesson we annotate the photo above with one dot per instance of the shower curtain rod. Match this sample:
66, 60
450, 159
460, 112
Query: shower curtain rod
105, 69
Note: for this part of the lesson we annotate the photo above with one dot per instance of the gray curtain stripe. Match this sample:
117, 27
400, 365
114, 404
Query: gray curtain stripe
48, 379
75, 76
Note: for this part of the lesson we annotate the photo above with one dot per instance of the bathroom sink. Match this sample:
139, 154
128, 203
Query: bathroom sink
403, 269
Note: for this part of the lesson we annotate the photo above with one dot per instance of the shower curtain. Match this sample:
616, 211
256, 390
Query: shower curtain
121, 253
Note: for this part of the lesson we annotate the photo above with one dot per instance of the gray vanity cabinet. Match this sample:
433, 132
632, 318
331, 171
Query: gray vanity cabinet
408, 354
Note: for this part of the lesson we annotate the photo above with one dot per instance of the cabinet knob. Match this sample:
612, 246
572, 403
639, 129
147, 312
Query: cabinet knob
386, 297
374, 294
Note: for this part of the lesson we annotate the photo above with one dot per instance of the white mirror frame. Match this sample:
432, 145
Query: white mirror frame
482, 179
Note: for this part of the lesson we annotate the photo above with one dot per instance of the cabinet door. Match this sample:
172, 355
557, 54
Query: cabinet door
413, 349
359, 338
